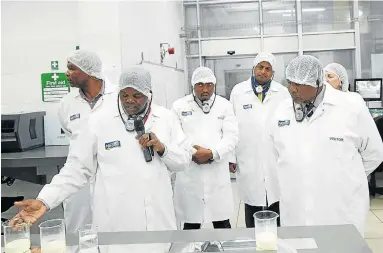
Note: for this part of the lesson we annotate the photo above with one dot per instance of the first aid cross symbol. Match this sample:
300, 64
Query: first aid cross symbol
55, 77
54, 64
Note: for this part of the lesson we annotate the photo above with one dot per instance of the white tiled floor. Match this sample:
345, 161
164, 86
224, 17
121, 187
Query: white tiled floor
373, 235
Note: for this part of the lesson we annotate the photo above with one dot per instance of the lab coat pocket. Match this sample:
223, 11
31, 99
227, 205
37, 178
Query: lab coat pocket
74, 126
188, 122
337, 147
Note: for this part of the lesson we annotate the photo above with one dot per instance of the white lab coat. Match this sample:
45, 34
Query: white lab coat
73, 114
322, 163
252, 116
129, 194
203, 192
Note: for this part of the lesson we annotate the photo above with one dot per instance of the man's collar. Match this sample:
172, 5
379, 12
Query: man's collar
273, 86
106, 88
154, 110
100, 93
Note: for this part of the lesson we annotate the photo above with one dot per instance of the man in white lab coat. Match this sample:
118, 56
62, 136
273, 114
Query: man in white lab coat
323, 144
203, 191
254, 102
130, 194
85, 73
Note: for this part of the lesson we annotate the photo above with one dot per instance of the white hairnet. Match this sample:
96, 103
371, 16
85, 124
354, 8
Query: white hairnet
88, 62
340, 72
267, 57
137, 78
305, 70
203, 75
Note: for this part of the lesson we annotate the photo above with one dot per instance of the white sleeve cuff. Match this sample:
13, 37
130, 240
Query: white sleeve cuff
165, 152
215, 155
45, 204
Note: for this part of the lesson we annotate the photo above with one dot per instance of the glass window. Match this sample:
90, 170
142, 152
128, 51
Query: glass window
282, 61
371, 38
225, 20
192, 47
229, 72
279, 17
343, 57
323, 16
191, 22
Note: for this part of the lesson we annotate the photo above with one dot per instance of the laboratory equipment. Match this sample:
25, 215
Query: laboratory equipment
22, 131
17, 238
369, 88
88, 239
376, 112
266, 235
52, 236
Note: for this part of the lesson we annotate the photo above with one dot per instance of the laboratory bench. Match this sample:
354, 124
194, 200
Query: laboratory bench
308, 239
34, 165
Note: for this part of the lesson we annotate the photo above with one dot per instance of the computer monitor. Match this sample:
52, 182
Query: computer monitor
369, 88
375, 112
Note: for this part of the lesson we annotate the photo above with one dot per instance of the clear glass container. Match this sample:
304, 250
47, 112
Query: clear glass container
88, 239
52, 236
17, 238
266, 235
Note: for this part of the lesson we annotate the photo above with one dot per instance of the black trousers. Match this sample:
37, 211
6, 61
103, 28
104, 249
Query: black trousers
251, 210
216, 224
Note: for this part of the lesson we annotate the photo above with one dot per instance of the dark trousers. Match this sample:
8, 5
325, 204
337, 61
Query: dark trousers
216, 224
251, 210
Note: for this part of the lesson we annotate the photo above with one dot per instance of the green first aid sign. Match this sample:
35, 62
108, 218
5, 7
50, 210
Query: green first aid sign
54, 86
55, 65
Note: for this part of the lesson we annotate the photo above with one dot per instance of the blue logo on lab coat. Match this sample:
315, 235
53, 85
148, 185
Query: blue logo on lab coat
74, 116
113, 144
186, 113
282, 123
249, 106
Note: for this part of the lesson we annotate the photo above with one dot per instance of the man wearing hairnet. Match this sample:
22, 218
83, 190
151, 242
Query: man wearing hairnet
323, 143
254, 102
131, 193
85, 73
203, 191
336, 76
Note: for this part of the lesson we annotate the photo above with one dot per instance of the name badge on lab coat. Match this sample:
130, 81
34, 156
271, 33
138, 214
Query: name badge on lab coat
74, 116
113, 144
186, 113
336, 139
282, 123
249, 106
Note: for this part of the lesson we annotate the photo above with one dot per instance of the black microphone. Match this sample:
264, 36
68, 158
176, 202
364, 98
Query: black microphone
140, 129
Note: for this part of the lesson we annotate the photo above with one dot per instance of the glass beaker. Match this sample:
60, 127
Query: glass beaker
266, 230
52, 236
17, 238
88, 239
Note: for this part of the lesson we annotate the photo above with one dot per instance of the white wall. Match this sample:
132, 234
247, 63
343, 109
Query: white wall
34, 33
146, 24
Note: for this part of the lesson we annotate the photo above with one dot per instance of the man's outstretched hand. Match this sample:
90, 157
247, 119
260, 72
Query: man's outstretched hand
32, 211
